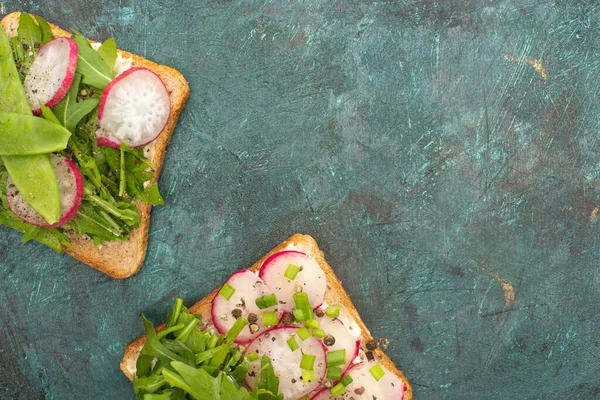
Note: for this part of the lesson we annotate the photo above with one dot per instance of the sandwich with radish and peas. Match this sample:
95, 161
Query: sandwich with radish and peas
282, 329
84, 129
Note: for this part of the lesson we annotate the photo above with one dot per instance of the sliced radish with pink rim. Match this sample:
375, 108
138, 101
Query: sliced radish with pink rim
51, 73
248, 287
365, 387
70, 187
286, 363
343, 339
134, 109
310, 279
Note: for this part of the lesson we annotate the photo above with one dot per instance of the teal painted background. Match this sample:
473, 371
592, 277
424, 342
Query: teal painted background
444, 154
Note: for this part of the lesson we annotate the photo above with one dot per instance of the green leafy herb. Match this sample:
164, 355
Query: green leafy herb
211, 367
91, 65
45, 30
108, 52
28, 30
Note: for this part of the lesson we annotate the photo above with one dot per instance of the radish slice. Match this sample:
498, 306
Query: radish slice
70, 188
343, 339
286, 362
248, 287
134, 109
365, 387
311, 279
51, 73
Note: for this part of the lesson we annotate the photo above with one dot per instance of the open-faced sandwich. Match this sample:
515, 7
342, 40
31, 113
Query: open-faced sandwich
282, 329
84, 129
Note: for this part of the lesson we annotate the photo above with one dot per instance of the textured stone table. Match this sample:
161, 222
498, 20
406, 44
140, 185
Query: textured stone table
444, 154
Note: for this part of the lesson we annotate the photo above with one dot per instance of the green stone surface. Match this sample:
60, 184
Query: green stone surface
444, 154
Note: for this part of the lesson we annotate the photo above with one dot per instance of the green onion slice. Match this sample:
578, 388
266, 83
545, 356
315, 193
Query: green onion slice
377, 372
293, 344
319, 333
298, 315
269, 318
308, 361
308, 375
301, 300
312, 323
266, 301
333, 311
334, 373
303, 333
346, 380
227, 291
291, 272
338, 390
335, 358
252, 357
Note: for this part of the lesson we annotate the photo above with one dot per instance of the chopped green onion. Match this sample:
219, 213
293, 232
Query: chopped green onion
303, 333
377, 372
312, 323
334, 373
298, 315
319, 333
293, 344
227, 291
333, 311
308, 376
346, 380
335, 358
266, 301
269, 318
252, 357
308, 361
291, 272
301, 300
338, 390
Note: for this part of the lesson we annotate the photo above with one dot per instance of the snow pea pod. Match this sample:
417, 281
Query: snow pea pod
33, 175
27, 135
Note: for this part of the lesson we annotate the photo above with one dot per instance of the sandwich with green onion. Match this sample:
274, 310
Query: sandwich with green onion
282, 329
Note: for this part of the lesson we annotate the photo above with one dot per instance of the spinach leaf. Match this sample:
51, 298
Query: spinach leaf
90, 64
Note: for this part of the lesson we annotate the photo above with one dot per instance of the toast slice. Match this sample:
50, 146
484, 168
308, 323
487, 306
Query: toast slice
334, 294
121, 259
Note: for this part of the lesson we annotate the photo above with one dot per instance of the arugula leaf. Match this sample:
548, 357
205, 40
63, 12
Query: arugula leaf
268, 380
91, 65
28, 30
72, 112
45, 30
108, 52
231, 391
148, 384
153, 347
199, 383
49, 115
